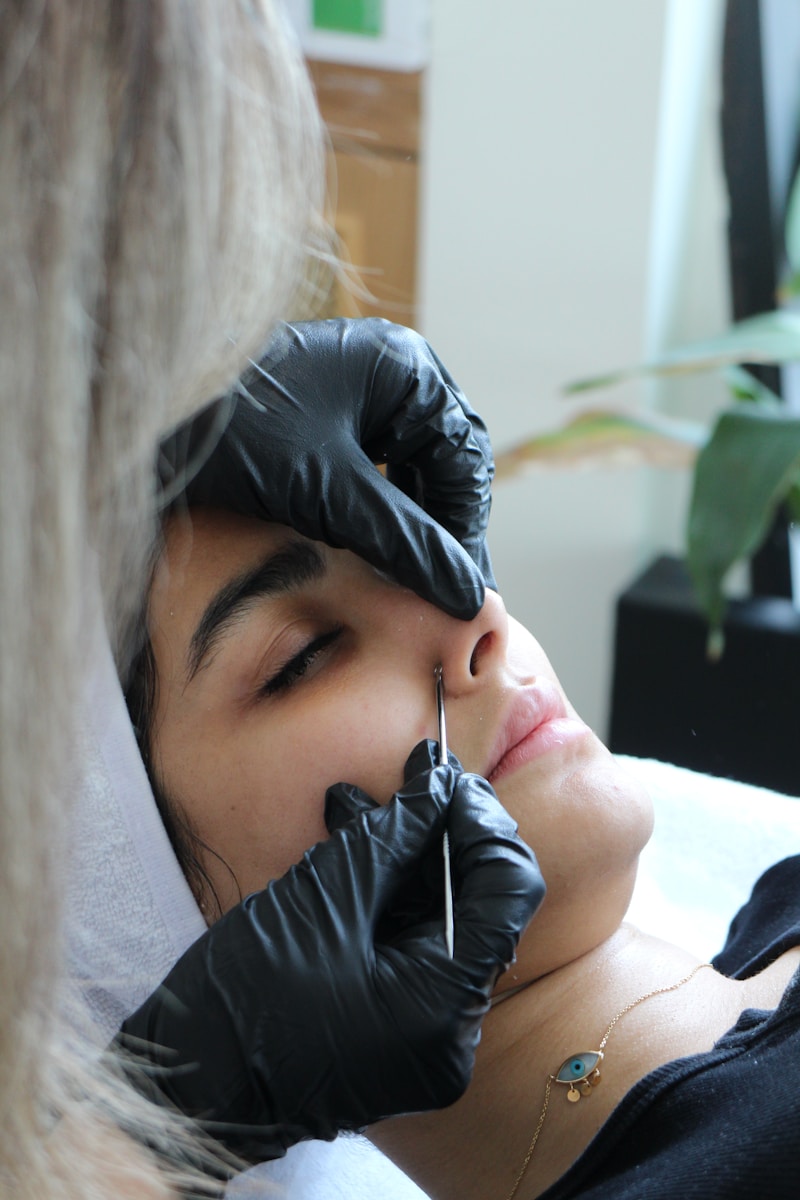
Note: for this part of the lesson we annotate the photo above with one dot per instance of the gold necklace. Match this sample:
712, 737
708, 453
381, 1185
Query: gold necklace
581, 1071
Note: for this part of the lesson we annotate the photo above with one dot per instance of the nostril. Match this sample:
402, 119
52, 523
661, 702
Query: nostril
481, 648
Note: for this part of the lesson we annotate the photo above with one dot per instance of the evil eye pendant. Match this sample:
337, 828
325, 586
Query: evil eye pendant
581, 1072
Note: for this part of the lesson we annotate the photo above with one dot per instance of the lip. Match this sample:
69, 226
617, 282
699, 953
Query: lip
537, 722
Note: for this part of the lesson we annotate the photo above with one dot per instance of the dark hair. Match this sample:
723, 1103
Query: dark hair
141, 695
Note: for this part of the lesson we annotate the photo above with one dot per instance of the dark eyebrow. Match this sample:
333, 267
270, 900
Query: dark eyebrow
281, 571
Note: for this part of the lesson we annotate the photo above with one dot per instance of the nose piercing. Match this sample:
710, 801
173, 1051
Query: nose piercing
449, 923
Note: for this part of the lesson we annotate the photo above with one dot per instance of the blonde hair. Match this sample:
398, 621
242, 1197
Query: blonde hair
160, 164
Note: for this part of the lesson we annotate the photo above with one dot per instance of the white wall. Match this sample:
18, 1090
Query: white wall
541, 121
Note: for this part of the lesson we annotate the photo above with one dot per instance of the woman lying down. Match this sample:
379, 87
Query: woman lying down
612, 1064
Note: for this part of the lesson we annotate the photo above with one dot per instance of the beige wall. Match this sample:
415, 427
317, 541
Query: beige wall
540, 130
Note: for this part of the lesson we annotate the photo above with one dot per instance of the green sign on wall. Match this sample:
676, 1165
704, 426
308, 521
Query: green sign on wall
350, 16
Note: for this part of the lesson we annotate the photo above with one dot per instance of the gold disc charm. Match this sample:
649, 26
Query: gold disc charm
573, 1095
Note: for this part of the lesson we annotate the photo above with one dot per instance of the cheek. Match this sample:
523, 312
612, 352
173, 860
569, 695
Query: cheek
254, 820
364, 740
259, 805
366, 744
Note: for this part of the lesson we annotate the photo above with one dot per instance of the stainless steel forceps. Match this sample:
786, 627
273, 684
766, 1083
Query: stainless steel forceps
449, 924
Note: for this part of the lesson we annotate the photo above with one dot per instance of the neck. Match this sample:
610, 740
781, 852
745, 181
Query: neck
474, 1150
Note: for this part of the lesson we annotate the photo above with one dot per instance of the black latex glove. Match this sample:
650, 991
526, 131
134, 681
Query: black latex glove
330, 399
291, 1019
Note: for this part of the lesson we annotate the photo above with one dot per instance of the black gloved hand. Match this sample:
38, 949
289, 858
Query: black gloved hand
290, 1019
330, 399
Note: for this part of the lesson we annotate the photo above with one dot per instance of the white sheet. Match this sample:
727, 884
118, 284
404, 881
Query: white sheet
713, 838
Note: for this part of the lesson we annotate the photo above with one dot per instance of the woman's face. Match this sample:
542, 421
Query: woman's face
285, 666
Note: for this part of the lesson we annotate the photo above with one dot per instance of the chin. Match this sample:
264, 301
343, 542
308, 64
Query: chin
587, 822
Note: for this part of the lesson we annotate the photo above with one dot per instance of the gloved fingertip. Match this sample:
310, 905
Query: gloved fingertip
423, 757
476, 802
344, 802
463, 602
473, 602
484, 563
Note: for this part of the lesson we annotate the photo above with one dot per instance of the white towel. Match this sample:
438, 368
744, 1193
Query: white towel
713, 838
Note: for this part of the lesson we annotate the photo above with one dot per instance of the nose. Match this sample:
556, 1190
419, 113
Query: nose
470, 650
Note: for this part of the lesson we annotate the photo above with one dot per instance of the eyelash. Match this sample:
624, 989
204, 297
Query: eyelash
296, 667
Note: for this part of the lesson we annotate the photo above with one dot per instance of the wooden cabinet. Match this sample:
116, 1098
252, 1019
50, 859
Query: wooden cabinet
373, 120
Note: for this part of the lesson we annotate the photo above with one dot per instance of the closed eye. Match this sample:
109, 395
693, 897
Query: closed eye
294, 670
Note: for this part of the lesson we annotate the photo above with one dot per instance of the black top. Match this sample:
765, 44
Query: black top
723, 1124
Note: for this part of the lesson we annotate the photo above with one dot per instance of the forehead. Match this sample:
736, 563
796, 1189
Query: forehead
202, 549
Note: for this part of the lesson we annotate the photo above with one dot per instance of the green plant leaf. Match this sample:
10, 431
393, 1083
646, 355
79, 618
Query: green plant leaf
744, 386
772, 337
602, 437
748, 466
792, 503
790, 287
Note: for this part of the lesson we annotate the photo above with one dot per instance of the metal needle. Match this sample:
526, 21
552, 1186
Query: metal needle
449, 924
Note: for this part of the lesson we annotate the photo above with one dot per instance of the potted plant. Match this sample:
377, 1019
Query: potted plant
732, 713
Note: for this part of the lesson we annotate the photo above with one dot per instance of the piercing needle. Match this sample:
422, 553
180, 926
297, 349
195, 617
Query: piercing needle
449, 926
